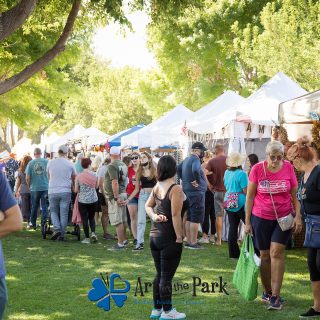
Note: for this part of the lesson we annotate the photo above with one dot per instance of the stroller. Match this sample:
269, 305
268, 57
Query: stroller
46, 227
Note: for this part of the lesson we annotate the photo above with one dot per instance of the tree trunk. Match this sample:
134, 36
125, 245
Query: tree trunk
36, 66
12, 19
12, 133
4, 131
20, 133
4, 145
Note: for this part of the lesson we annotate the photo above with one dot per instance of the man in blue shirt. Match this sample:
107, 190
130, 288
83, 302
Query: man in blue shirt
37, 179
194, 185
11, 220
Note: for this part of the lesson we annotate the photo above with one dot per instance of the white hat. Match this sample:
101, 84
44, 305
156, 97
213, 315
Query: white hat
63, 149
235, 159
115, 150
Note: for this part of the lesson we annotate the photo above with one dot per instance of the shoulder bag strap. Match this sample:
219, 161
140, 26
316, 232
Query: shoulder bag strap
265, 174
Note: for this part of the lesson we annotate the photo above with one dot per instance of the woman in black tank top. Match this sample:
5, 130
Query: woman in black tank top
165, 207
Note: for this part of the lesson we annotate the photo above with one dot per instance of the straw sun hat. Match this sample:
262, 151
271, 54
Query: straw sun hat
235, 159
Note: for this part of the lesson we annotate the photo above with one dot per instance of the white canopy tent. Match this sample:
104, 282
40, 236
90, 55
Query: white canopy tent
74, 133
209, 116
94, 136
254, 117
165, 131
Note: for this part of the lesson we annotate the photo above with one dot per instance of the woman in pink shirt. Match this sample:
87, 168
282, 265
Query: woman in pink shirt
275, 176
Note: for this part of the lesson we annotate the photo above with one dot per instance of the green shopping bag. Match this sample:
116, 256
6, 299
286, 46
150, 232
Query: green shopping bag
245, 277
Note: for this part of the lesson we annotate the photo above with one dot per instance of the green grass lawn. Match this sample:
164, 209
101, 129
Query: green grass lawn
49, 281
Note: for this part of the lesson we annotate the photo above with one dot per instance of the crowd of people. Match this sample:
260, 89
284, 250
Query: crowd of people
266, 198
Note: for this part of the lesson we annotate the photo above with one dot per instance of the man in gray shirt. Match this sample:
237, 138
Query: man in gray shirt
61, 174
115, 191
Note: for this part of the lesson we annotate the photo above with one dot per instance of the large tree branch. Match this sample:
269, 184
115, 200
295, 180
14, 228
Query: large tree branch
12, 19
36, 66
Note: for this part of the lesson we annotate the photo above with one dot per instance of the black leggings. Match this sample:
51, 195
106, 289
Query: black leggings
166, 258
209, 213
234, 220
314, 264
87, 212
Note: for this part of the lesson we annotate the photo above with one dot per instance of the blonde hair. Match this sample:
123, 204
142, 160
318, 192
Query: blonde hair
152, 168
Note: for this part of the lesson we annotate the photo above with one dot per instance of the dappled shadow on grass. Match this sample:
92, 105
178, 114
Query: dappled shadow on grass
45, 276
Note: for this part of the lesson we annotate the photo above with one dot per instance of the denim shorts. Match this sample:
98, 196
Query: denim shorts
266, 231
133, 202
196, 208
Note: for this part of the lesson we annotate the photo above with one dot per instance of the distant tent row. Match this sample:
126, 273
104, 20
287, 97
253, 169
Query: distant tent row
241, 124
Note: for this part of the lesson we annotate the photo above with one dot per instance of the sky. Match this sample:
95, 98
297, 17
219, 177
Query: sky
130, 50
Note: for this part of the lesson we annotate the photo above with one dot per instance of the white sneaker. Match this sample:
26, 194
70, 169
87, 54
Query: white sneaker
155, 313
203, 240
94, 238
86, 240
172, 314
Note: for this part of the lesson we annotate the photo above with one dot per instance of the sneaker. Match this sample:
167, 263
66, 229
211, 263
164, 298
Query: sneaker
94, 238
56, 235
212, 239
86, 241
116, 247
172, 314
108, 236
135, 241
275, 303
265, 297
193, 247
203, 240
311, 313
138, 248
185, 239
155, 313
125, 242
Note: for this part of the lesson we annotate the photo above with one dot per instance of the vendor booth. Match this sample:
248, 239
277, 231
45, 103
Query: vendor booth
247, 126
166, 131
115, 140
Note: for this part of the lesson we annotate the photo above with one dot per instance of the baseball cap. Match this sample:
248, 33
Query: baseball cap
198, 145
63, 149
115, 150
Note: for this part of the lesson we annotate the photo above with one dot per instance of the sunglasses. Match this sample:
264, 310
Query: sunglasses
274, 158
135, 158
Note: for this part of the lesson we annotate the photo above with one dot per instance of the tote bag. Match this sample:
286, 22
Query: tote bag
245, 277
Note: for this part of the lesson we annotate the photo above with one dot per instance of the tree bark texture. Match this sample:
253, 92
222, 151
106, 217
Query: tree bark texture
12, 19
29, 71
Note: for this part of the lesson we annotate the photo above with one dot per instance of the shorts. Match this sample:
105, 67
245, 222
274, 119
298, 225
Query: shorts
133, 202
101, 199
117, 214
267, 231
196, 208
218, 203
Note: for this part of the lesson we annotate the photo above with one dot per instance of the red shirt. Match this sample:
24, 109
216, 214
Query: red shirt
132, 180
218, 167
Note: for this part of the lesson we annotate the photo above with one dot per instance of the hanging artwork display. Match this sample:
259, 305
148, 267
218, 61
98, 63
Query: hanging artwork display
248, 130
